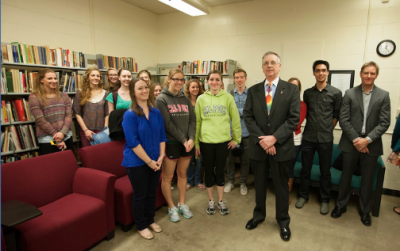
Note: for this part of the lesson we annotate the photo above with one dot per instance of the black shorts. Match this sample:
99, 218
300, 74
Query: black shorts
176, 150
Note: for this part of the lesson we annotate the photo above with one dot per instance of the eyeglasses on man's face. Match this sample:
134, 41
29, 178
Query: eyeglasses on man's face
321, 70
272, 63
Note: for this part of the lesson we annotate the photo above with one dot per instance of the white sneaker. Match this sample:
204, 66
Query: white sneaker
243, 189
228, 187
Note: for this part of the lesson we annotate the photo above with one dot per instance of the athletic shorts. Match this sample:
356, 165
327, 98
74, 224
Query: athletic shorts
175, 150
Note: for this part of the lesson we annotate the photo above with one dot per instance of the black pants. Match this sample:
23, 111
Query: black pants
46, 148
297, 150
325, 158
280, 179
368, 168
214, 155
144, 182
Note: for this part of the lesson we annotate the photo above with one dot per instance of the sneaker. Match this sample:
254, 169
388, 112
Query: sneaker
243, 189
222, 208
211, 207
300, 202
173, 214
324, 208
184, 210
228, 187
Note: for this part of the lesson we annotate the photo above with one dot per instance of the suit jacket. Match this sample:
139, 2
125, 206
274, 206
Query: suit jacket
352, 117
282, 121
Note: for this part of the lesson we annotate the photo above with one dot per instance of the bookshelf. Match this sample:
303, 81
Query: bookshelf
191, 69
23, 64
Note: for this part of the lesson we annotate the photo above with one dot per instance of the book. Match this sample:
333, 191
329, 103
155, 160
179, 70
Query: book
4, 112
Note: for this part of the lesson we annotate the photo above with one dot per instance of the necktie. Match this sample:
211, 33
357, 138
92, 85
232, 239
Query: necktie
268, 97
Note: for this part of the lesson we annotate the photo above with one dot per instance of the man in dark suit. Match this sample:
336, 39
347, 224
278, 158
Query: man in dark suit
364, 118
271, 114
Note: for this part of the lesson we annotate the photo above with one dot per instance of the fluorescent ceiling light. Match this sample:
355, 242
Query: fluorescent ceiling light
187, 6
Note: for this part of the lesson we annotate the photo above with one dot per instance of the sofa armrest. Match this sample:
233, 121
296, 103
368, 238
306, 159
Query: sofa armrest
97, 184
94, 183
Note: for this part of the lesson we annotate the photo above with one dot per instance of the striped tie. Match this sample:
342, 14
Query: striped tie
268, 97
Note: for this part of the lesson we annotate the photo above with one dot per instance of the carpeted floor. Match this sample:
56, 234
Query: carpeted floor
310, 229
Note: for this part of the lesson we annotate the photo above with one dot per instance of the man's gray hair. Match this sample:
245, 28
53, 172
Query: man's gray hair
271, 53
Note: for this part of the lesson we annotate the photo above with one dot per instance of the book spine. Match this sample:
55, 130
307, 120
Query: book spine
20, 110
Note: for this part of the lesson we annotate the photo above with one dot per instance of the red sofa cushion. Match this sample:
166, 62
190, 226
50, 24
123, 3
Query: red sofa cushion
106, 157
50, 176
70, 223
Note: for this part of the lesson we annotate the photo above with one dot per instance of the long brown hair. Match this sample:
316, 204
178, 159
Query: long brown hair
171, 73
298, 81
152, 88
38, 88
187, 86
85, 93
135, 107
118, 84
148, 74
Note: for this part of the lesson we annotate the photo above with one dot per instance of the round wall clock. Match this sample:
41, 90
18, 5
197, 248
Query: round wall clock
386, 48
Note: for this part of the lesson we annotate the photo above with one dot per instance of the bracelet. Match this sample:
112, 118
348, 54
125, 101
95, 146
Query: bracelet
149, 162
86, 130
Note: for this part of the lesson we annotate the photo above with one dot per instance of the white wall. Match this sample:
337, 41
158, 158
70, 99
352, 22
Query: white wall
110, 27
301, 31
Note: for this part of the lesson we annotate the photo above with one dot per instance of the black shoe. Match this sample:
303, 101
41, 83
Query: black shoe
251, 224
337, 212
366, 219
285, 233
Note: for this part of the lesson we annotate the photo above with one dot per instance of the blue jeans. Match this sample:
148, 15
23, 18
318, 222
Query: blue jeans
194, 169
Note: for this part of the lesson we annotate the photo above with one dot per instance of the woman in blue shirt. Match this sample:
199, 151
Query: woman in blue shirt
143, 154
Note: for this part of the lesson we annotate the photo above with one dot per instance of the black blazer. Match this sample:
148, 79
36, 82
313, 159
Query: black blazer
282, 121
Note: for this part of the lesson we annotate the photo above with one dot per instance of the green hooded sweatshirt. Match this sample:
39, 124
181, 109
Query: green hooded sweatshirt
213, 116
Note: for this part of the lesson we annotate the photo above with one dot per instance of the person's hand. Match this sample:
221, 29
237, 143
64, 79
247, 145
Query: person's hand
360, 143
88, 134
153, 165
58, 136
364, 150
231, 145
271, 150
160, 160
267, 141
189, 145
61, 145
198, 152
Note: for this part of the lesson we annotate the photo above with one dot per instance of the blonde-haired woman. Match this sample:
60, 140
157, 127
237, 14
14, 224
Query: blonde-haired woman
193, 89
180, 126
145, 75
90, 106
52, 112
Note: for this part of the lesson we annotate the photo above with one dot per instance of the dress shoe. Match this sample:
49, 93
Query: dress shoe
366, 219
285, 233
394, 210
155, 227
337, 212
251, 224
147, 236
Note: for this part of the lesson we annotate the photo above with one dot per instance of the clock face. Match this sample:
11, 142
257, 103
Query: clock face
386, 48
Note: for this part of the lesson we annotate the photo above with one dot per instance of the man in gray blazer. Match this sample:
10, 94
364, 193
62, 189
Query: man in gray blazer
271, 114
364, 118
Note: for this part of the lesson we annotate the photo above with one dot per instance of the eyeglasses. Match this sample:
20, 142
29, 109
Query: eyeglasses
320, 70
178, 79
272, 63
113, 75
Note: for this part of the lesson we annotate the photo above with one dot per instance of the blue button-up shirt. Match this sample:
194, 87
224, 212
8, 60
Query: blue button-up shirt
149, 133
240, 100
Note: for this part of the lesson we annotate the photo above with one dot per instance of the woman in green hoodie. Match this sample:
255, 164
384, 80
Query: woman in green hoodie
215, 110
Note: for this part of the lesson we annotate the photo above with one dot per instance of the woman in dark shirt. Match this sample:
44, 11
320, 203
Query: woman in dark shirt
143, 154
90, 106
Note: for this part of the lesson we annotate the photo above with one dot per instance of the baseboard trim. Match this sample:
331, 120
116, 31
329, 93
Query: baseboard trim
391, 192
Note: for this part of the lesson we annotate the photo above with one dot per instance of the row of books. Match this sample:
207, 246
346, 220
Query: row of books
105, 62
16, 110
30, 54
21, 156
18, 138
203, 67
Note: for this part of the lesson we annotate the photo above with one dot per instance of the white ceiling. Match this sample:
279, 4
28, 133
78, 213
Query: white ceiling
159, 8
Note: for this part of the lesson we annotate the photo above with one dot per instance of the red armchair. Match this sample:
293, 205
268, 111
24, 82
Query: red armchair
108, 157
77, 204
